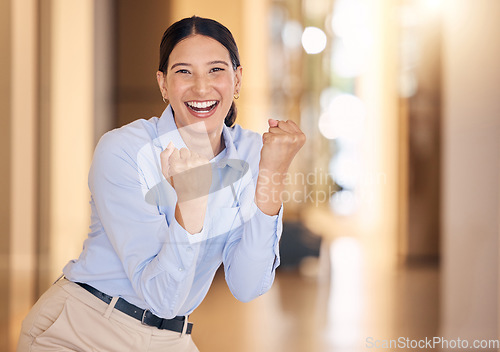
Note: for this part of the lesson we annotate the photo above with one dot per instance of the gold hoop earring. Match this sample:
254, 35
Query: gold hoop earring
236, 96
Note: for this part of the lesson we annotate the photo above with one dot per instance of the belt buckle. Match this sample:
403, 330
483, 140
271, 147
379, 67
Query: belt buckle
144, 316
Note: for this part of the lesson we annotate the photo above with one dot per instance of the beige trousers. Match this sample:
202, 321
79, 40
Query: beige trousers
68, 318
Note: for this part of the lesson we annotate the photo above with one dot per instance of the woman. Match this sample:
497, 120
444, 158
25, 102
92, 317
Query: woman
172, 199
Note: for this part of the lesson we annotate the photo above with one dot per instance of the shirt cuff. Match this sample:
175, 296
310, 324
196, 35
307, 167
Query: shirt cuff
270, 219
179, 252
263, 234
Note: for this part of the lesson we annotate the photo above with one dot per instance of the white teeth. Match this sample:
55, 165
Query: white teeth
201, 105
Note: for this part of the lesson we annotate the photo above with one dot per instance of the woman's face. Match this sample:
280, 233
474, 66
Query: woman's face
200, 82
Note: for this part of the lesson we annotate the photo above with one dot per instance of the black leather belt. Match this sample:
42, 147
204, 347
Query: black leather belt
144, 316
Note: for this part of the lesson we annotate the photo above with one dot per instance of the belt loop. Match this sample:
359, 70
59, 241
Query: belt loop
110, 308
184, 327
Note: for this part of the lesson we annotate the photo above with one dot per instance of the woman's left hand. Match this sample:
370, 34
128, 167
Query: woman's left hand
281, 143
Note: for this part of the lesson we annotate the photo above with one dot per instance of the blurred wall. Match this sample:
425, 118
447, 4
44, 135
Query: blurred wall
380, 209
47, 136
424, 122
471, 169
65, 132
5, 42
139, 26
19, 155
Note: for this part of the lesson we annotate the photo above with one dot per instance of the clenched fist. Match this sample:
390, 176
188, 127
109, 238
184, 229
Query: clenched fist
189, 173
281, 143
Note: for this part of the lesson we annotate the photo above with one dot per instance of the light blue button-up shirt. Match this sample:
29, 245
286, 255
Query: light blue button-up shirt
137, 250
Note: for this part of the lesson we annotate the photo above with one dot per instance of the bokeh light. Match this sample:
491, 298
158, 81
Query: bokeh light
351, 24
292, 34
344, 203
313, 40
345, 169
343, 118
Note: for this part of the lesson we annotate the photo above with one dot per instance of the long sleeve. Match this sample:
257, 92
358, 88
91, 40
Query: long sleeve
157, 256
251, 254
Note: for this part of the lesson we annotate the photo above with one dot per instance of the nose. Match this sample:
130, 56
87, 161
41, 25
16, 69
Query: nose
201, 85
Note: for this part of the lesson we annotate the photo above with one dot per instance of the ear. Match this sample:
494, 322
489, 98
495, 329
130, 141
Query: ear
237, 80
162, 84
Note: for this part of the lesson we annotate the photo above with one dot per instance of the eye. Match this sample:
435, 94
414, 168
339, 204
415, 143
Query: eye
216, 69
182, 71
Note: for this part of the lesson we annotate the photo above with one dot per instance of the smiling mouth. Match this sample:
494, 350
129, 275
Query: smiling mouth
201, 107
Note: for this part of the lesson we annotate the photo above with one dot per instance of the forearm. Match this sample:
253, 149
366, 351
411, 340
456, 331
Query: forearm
248, 279
190, 214
250, 263
161, 268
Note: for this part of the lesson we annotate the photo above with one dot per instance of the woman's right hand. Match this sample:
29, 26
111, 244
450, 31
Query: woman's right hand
190, 174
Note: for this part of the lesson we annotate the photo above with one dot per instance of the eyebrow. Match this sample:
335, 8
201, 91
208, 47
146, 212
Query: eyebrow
218, 62
209, 63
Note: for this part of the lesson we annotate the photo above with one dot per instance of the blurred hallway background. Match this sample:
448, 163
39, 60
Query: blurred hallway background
392, 215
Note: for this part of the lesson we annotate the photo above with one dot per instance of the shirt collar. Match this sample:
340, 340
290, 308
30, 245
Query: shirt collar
167, 132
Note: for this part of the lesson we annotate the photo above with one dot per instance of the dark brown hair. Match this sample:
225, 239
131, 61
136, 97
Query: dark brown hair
204, 26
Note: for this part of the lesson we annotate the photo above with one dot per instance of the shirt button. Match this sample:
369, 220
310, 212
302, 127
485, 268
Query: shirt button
189, 249
181, 269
